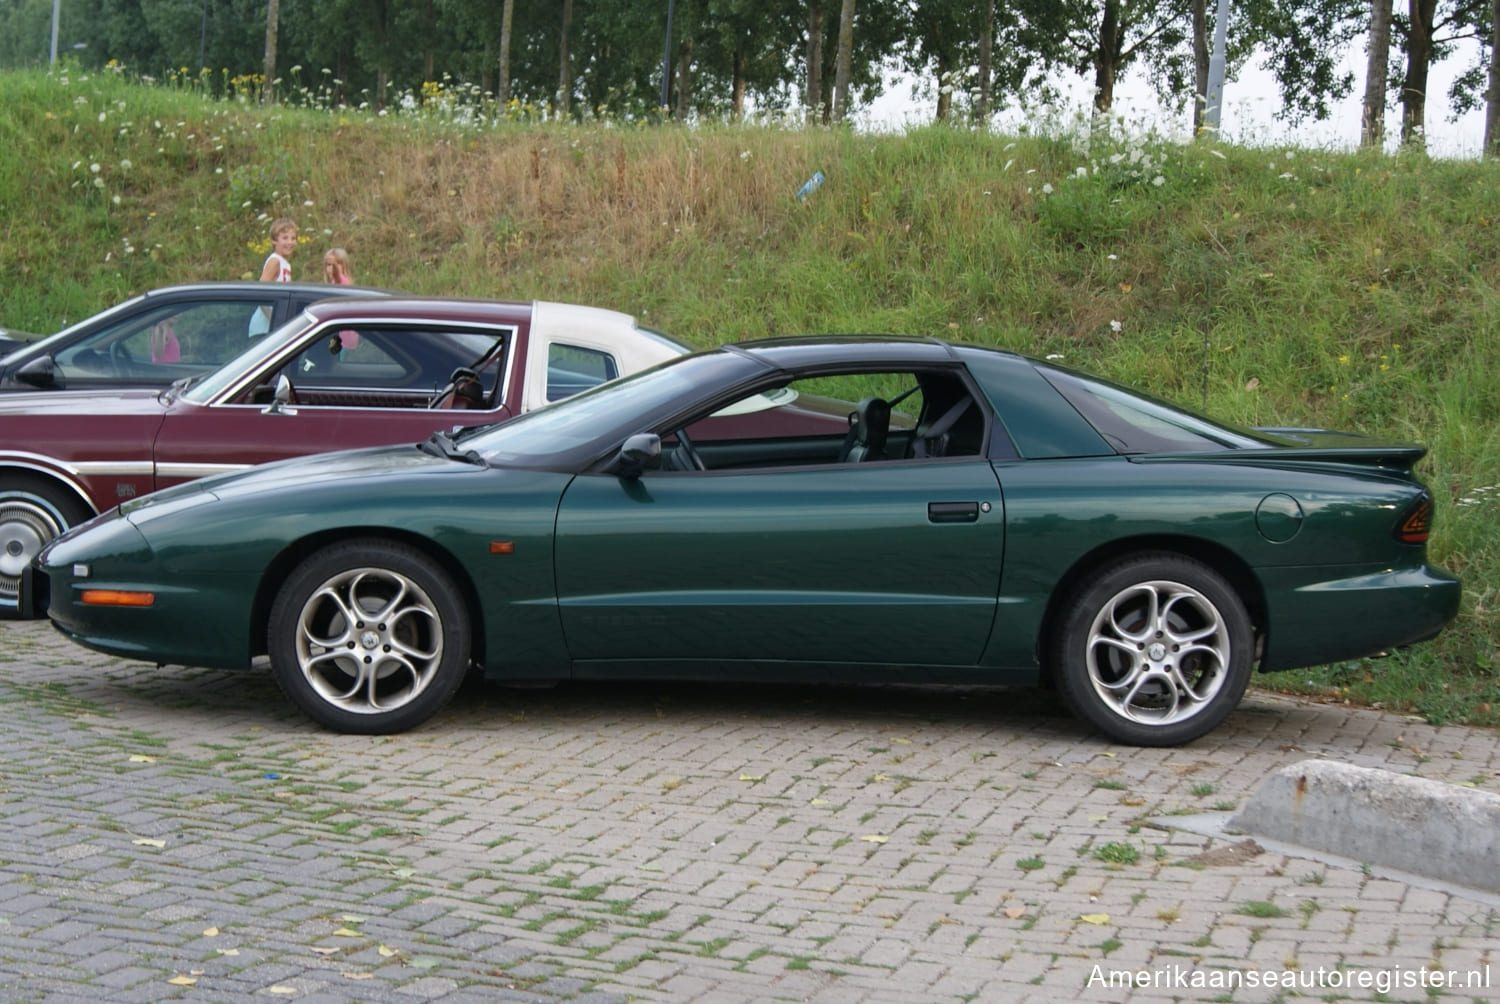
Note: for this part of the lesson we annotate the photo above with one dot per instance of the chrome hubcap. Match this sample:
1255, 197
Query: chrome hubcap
25, 528
1158, 652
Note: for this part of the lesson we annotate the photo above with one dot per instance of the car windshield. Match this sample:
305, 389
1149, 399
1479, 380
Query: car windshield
46, 345
260, 349
603, 414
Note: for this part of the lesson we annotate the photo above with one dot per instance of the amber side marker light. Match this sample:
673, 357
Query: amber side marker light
116, 598
502, 547
1416, 525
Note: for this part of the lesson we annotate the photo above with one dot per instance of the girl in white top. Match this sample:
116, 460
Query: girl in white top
283, 243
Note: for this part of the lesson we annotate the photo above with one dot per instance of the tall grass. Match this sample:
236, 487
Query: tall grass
1265, 286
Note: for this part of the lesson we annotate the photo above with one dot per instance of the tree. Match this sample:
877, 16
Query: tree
939, 38
1492, 102
1372, 128
273, 19
1201, 57
812, 95
986, 64
843, 61
564, 77
1430, 29
502, 83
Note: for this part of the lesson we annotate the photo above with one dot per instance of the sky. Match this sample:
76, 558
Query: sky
1251, 102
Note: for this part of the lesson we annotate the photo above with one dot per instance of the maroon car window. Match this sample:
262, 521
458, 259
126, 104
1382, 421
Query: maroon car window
390, 366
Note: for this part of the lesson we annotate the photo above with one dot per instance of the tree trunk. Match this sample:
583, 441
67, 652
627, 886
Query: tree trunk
685, 78
267, 86
986, 65
1418, 63
845, 59
564, 75
1200, 63
1372, 126
502, 86
1107, 58
737, 93
1492, 99
812, 100
945, 91
430, 25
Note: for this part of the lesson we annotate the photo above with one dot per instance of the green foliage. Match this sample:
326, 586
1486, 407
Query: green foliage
1117, 853
1264, 287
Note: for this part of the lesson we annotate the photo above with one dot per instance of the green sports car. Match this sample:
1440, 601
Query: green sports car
840, 508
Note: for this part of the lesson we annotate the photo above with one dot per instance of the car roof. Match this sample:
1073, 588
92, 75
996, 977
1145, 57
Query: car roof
814, 351
426, 308
187, 289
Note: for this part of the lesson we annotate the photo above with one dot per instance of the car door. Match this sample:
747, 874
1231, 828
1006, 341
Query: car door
352, 387
883, 562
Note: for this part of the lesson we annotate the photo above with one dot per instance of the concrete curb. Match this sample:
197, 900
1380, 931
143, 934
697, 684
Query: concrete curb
1424, 827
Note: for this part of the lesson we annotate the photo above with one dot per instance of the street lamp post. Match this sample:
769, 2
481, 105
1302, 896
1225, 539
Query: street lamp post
666, 60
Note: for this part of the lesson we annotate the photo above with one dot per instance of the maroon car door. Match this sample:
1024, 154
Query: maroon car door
377, 386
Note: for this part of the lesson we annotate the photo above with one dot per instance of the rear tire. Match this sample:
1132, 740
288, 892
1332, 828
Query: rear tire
369, 637
33, 513
1155, 650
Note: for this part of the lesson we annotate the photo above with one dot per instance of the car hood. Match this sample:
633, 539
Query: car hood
316, 472
132, 401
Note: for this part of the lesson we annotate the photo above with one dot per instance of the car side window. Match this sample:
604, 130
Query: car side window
574, 368
164, 343
386, 366
847, 418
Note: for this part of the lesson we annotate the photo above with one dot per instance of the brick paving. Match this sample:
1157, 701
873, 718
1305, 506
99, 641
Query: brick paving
184, 834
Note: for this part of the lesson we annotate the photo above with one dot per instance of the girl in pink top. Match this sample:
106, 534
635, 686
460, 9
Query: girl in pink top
336, 267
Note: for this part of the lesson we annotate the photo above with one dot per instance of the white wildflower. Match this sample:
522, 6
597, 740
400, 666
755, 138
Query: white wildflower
1115, 326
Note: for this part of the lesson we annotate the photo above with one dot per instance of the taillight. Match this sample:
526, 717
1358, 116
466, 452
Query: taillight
1416, 523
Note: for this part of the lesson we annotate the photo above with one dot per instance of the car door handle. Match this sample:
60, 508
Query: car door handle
952, 512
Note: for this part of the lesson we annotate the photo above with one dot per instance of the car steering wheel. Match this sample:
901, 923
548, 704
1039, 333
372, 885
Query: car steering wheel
689, 452
120, 359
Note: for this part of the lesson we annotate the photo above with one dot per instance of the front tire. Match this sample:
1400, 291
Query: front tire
32, 514
369, 637
1156, 650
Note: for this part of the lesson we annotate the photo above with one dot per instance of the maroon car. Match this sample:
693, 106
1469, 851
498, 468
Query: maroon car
345, 373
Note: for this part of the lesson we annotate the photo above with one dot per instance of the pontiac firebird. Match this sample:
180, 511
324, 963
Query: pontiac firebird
839, 508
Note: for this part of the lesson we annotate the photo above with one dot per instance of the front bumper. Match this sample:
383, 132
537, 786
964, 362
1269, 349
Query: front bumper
35, 593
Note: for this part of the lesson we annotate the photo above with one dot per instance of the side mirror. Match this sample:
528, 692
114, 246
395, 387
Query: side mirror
281, 398
641, 452
40, 372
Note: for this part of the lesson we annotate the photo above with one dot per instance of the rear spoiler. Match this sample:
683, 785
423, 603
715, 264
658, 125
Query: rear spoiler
1375, 456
